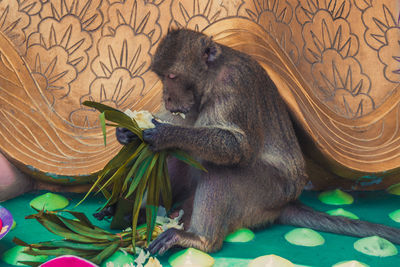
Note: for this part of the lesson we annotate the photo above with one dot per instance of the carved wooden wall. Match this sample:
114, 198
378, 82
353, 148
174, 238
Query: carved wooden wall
336, 63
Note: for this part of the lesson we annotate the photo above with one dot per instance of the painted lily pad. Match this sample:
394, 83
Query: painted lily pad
394, 189
6, 221
395, 215
353, 263
336, 197
228, 262
375, 246
342, 212
14, 224
270, 261
304, 237
49, 201
191, 257
240, 235
118, 259
16, 254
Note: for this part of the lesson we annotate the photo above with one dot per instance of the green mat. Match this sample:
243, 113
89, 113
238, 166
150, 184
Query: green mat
370, 206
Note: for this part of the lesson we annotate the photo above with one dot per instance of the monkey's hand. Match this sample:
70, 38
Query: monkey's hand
156, 137
125, 136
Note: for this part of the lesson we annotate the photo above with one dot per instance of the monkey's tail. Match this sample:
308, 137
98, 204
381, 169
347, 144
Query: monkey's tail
297, 214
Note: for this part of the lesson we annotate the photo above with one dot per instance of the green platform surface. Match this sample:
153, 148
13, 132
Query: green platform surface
370, 206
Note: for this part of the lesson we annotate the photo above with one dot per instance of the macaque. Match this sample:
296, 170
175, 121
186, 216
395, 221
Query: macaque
237, 125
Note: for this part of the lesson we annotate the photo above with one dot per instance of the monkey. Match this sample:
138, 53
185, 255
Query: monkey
240, 129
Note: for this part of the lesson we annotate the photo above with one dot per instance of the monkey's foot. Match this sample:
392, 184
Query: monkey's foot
174, 237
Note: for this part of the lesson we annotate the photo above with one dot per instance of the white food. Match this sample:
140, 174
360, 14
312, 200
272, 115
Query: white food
143, 118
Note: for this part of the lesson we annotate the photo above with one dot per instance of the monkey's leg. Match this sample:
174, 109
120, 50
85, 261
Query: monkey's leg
210, 220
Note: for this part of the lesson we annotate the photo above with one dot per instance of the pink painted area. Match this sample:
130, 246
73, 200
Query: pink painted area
6, 221
68, 261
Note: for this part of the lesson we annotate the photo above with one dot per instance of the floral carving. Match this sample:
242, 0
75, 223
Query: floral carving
30, 7
274, 16
232, 6
13, 21
87, 11
323, 33
141, 15
257, 9
196, 15
378, 19
156, 2
390, 55
120, 90
66, 33
126, 49
342, 85
362, 4
306, 9
51, 71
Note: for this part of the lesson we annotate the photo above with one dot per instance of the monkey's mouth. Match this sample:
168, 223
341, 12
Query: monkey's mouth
177, 113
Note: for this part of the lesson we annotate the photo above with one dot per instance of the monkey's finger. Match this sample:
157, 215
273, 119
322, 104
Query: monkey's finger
156, 122
155, 246
148, 135
125, 136
159, 244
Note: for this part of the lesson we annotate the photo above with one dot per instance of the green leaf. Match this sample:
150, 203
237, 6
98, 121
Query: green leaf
107, 252
62, 251
152, 202
103, 126
96, 233
165, 184
119, 159
69, 244
138, 169
151, 216
112, 125
47, 215
139, 175
100, 107
122, 156
19, 242
141, 156
81, 217
31, 263
105, 193
185, 157
116, 190
136, 207
122, 168
64, 232
124, 121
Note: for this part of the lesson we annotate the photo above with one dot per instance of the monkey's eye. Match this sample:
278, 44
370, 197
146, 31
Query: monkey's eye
171, 76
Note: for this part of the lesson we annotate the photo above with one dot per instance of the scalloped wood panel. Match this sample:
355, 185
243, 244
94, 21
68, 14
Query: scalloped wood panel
336, 64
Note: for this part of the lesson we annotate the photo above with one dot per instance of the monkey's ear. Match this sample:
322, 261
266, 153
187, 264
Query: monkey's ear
211, 50
212, 53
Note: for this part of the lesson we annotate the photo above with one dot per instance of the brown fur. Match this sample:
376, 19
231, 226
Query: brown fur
248, 146
238, 127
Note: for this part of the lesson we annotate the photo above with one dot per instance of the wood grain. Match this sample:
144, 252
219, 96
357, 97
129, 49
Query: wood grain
335, 62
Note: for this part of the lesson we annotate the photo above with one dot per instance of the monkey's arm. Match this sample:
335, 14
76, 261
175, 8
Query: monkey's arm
219, 145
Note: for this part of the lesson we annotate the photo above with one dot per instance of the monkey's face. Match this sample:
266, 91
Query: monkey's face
182, 62
178, 94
